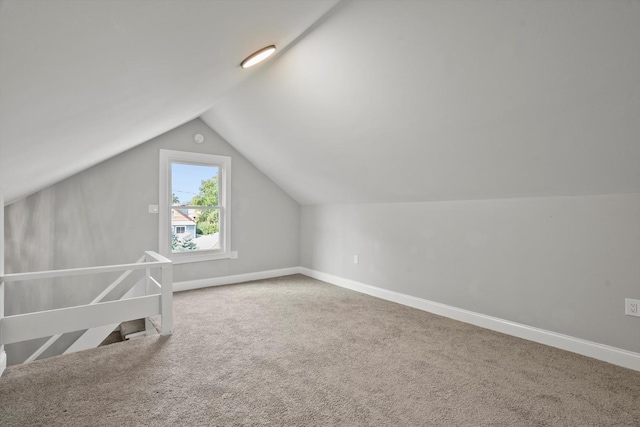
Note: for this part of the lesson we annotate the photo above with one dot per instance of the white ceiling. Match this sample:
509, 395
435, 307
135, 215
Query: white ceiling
381, 101
81, 81
410, 101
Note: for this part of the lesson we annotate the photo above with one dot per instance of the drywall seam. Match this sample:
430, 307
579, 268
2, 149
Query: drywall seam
616, 356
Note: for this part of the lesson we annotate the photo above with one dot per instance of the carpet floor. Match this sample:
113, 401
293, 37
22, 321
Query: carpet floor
298, 352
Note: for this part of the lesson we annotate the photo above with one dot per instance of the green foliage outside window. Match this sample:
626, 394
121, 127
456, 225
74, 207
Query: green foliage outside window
182, 244
208, 221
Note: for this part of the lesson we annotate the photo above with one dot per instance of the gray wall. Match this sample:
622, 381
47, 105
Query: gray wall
100, 216
564, 264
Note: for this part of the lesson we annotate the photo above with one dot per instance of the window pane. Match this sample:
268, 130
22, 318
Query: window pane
195, 229
194, 184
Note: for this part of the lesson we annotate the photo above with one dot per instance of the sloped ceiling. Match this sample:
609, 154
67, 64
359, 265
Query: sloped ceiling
408, 101
81, 81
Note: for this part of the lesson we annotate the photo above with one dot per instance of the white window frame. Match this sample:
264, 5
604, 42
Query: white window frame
165, 205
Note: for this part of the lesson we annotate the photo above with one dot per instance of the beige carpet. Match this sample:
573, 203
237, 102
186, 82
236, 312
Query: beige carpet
295, 351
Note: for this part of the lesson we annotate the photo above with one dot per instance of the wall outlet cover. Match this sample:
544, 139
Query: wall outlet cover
153, 209
632, 307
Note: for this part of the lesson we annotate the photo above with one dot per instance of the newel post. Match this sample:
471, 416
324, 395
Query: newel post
166, 309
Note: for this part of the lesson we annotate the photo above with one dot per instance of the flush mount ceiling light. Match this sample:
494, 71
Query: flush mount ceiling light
258, 56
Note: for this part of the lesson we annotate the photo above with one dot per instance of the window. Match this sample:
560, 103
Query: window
194, 206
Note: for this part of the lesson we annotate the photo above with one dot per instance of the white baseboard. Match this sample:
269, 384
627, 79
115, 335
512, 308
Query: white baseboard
237, 278
616, 356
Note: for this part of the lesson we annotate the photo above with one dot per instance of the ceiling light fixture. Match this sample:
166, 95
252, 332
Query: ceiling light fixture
258, 56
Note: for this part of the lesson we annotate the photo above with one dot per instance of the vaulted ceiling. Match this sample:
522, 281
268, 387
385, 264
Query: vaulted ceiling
82, 81
376, 101
409, 101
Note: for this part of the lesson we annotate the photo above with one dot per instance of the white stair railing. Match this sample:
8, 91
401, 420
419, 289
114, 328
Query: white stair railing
53, 323
96, 300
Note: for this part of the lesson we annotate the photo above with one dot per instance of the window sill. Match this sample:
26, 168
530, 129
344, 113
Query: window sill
186, 258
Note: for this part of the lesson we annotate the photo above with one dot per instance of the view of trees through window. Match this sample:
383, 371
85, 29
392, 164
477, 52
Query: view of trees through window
195, 210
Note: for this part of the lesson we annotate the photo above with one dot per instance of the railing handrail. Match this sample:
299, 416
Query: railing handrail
16, 277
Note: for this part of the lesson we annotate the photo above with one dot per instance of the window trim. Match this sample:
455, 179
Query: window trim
164, 205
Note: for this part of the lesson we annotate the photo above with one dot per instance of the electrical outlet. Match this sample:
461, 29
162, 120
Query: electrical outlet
356, 259
632, 307
233, 254
153, 208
